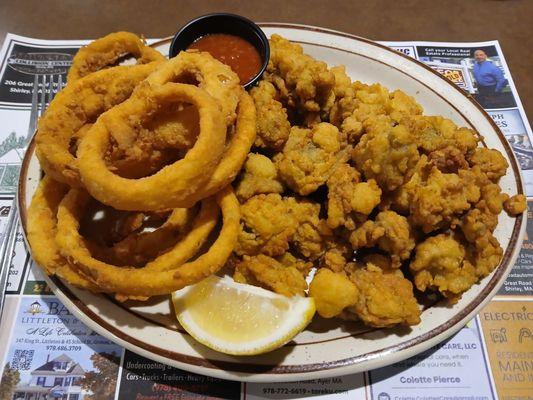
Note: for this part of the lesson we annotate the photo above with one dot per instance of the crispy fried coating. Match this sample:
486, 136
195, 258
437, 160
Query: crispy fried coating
350, 200
356, 103
270, 223
338, 253
273, 126
483, 250
440, 264
289, 260
108, 51
309, 238
380, 296
402, 105
267, 225
158, 141
303, 82
270, 274
260, 176
309, 157
477, 223
345, 100
386, 153
491, 162
435, 133
439, 201
79, 104
516, 204
332, 292
449, 159
334, 259
485, 255
385, 297
390, 232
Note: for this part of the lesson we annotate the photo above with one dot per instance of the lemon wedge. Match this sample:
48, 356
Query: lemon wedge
240, 319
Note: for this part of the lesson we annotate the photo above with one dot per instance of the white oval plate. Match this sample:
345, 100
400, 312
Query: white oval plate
326, 348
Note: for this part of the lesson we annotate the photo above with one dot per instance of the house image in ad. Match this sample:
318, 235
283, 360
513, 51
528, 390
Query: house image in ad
59, 378
10, 168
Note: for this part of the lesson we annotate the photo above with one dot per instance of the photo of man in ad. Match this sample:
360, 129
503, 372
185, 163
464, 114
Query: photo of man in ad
477, 70
489, 78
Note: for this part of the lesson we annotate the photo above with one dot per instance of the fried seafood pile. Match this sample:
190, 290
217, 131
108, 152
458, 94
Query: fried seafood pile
346, 182
354, 180
137, 198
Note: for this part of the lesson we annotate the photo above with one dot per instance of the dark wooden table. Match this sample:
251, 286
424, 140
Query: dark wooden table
509, 21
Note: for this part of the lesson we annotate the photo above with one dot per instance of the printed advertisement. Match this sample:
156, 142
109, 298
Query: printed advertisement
20, 261
445, 368
508, 331
343, 387
520, 279
25, 66
52, 353
23, 61
478, 70
144, 379
5, 208
47, 353
14, 137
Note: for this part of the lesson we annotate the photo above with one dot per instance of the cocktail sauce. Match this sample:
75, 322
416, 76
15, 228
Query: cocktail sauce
237, 53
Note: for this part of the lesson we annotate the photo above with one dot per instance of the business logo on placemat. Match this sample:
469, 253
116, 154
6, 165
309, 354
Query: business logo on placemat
40, 63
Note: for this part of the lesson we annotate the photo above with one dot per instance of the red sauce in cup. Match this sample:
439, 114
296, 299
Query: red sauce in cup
239, 54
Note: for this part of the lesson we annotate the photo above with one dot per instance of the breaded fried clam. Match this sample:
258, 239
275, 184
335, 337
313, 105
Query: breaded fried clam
310, 156
260, 176
273, 125
269, 273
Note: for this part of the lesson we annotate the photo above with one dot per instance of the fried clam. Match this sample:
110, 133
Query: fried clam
41, 230
109, 51
169, 187
144, 282
78, 104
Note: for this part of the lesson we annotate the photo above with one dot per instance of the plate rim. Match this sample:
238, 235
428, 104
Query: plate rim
348, 365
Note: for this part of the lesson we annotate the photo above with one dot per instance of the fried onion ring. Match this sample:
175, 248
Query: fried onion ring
107, 51
126, 280
170, 187
169, 244
78, 104
123, 239
189, 245
42, 227
236, 151
209, 74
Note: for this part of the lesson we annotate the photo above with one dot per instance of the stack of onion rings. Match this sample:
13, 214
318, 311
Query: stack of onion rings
148, 142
